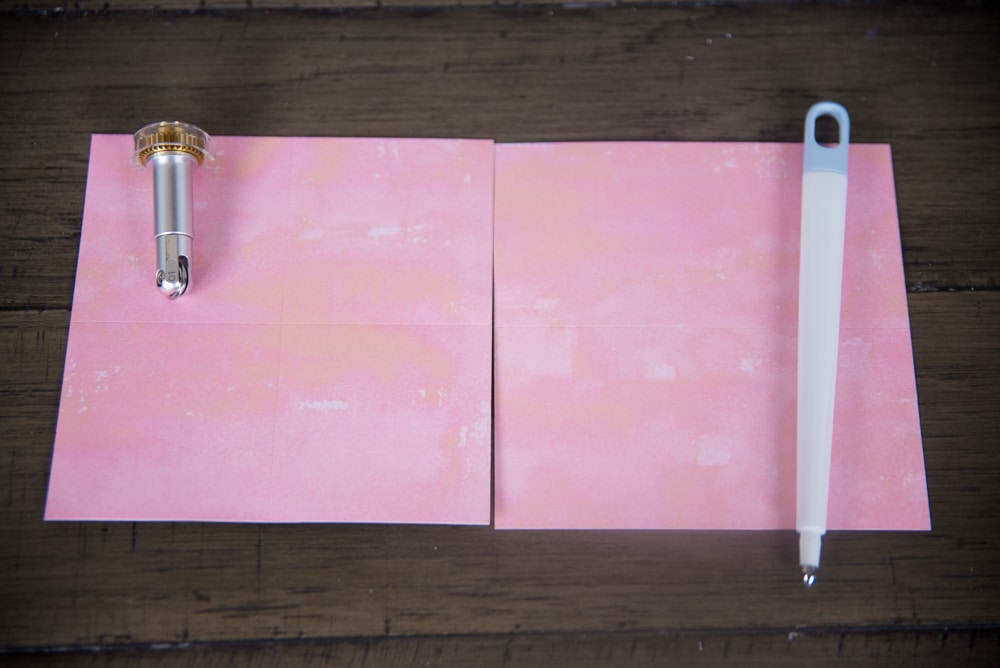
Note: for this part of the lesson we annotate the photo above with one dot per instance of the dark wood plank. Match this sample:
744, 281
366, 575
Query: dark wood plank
76, 583
56, 8
765, 649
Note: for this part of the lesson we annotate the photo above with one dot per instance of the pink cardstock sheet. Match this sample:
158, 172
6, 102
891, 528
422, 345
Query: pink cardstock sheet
331, 361
645, 341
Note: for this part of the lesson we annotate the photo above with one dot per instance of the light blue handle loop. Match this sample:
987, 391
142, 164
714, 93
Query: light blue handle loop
819, 158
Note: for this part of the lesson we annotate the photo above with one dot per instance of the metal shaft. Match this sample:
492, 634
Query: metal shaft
173, 225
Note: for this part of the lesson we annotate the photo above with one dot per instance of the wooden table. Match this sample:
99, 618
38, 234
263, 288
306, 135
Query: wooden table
922, 78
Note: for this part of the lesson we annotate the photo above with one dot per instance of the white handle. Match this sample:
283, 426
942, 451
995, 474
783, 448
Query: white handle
824, 210
824, 203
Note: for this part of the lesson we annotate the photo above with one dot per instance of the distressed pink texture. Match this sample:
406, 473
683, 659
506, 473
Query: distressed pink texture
646, 316
331, 361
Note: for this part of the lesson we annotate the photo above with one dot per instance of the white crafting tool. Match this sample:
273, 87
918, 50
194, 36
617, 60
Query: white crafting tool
821, 268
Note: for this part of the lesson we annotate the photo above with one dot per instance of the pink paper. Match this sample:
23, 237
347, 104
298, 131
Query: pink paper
646, 317
331, 361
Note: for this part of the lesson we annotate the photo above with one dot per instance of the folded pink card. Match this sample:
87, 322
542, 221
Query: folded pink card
331, 361
645, 341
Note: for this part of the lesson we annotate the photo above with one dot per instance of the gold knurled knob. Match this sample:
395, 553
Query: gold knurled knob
173, 136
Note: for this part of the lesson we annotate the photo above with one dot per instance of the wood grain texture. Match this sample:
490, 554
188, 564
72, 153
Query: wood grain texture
921, 78
884, 648
56, 8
